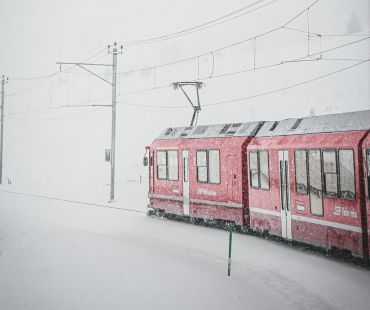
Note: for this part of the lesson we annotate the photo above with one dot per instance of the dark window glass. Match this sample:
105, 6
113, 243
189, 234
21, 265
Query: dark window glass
253, 168
330, 172
202, 170
162, 165
214, 166
346, 174
264, 169
301, 172
314, 172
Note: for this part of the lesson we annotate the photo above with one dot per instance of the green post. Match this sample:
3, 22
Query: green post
230, 241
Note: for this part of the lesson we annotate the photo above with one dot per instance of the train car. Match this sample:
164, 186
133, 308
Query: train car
197, 172
307, 180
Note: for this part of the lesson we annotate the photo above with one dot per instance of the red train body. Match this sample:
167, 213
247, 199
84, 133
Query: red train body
302, 179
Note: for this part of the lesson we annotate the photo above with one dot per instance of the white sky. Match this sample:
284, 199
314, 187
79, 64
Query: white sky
36, 34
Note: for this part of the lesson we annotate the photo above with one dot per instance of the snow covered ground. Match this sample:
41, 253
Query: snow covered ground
62, 255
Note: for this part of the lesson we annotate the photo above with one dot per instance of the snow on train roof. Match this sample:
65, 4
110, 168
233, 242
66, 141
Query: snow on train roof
212, 131
351, 121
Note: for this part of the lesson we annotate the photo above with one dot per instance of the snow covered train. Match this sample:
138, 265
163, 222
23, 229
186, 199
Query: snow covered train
304, 179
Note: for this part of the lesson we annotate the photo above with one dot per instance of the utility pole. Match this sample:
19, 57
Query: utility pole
196, 107
114, 51
2, 126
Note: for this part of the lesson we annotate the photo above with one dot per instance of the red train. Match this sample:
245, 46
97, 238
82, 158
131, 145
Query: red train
305, 179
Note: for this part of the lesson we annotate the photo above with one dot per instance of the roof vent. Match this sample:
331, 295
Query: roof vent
257, 128
168, 131
296, 124
225, 128
231, 132
236, 125
274, 125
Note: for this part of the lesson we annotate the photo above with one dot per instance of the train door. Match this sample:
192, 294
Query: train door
231, 177
185, 181
286, 213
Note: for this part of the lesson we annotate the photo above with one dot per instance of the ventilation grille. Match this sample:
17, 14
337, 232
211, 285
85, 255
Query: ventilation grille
296, 124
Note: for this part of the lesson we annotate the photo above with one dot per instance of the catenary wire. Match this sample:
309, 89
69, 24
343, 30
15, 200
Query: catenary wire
200, 27
256, 95
72, 201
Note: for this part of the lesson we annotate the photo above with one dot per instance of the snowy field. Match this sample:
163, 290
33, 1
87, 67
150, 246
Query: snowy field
62, 255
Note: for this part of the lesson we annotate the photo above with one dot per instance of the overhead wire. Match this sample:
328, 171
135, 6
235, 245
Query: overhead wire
45, 78
72, 201
200, 27
254, 37
256, 95
254, 68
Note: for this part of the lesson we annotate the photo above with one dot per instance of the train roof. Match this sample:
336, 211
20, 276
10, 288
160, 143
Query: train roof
351, 121
212, 131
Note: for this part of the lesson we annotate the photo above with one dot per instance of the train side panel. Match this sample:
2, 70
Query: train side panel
219, 200
340, 223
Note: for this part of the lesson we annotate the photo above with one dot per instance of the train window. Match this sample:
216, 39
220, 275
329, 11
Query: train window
173, 165
329, 158
259, 169
346, 174
202, 170
208, 166
162, 165
301, 172
264, 170
315, 181
253, 168
214, 166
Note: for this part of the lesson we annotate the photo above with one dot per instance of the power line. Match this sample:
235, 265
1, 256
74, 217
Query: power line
256, 95
45, 78
303, 58
206, 25
72, 201
281, 27
287, 87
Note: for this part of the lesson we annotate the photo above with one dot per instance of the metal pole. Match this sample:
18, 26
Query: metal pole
113, 143
2, 129
230, 241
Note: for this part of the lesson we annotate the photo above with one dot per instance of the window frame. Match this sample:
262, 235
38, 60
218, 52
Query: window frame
295, 172
325, 192
207, 165
309, 183
354, 175
259, 169
250, 170
167, 164
219, 166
